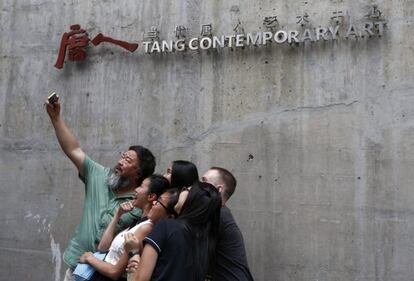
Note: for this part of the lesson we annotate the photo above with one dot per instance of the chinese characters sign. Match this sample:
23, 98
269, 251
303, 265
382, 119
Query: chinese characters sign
76, 40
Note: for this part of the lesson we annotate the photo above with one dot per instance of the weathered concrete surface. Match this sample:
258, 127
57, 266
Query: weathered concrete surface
320, 136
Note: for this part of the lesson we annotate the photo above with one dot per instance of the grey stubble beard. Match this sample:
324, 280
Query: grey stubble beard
116, 182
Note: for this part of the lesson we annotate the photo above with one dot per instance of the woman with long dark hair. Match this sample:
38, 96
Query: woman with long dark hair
181, 174
184, 248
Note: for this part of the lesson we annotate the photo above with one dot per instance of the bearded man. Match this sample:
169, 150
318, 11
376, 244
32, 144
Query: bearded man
105, 188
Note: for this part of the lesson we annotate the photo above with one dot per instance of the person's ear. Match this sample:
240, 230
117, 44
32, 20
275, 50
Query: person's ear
152, 197
220, 188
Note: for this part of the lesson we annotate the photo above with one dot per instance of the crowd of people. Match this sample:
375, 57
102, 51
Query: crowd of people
138, 225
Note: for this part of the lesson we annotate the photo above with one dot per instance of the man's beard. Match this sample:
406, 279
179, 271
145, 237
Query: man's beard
116, 182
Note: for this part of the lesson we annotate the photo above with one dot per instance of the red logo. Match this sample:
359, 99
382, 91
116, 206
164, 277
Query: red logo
76, 40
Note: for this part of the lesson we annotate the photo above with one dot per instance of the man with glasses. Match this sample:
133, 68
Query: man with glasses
105, 188
231, 261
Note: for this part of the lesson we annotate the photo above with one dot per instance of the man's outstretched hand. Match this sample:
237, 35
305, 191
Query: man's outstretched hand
53, 109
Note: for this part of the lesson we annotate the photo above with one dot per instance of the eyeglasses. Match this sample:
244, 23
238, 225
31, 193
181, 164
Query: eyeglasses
125, 156
169, 211
159, 202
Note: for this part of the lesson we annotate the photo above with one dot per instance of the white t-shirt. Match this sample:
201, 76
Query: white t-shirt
117, 246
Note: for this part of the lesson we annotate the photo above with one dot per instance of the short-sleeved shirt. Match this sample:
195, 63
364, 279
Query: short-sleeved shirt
100, 206
173, 244
231, 257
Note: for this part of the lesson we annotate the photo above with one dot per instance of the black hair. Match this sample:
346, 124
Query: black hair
183, 174
229, 180
200, 214
174, 195
146, 162
158, 184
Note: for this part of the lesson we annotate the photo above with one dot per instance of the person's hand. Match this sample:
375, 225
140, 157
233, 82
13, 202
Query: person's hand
84, 258
125, 208
53, 109
131, 242
133, 264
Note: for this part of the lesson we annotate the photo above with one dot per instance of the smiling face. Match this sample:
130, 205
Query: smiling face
159, 208
127, 165
142, 193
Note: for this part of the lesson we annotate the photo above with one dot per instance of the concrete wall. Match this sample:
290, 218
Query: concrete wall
320, 136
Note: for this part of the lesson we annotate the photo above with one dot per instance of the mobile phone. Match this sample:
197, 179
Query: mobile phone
53, 98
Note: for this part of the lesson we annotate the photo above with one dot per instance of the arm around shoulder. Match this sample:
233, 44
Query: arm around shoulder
133, 241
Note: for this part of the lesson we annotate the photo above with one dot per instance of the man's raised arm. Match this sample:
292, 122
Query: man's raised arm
67, 140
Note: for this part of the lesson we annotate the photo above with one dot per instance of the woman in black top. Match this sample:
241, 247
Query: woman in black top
184, 249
